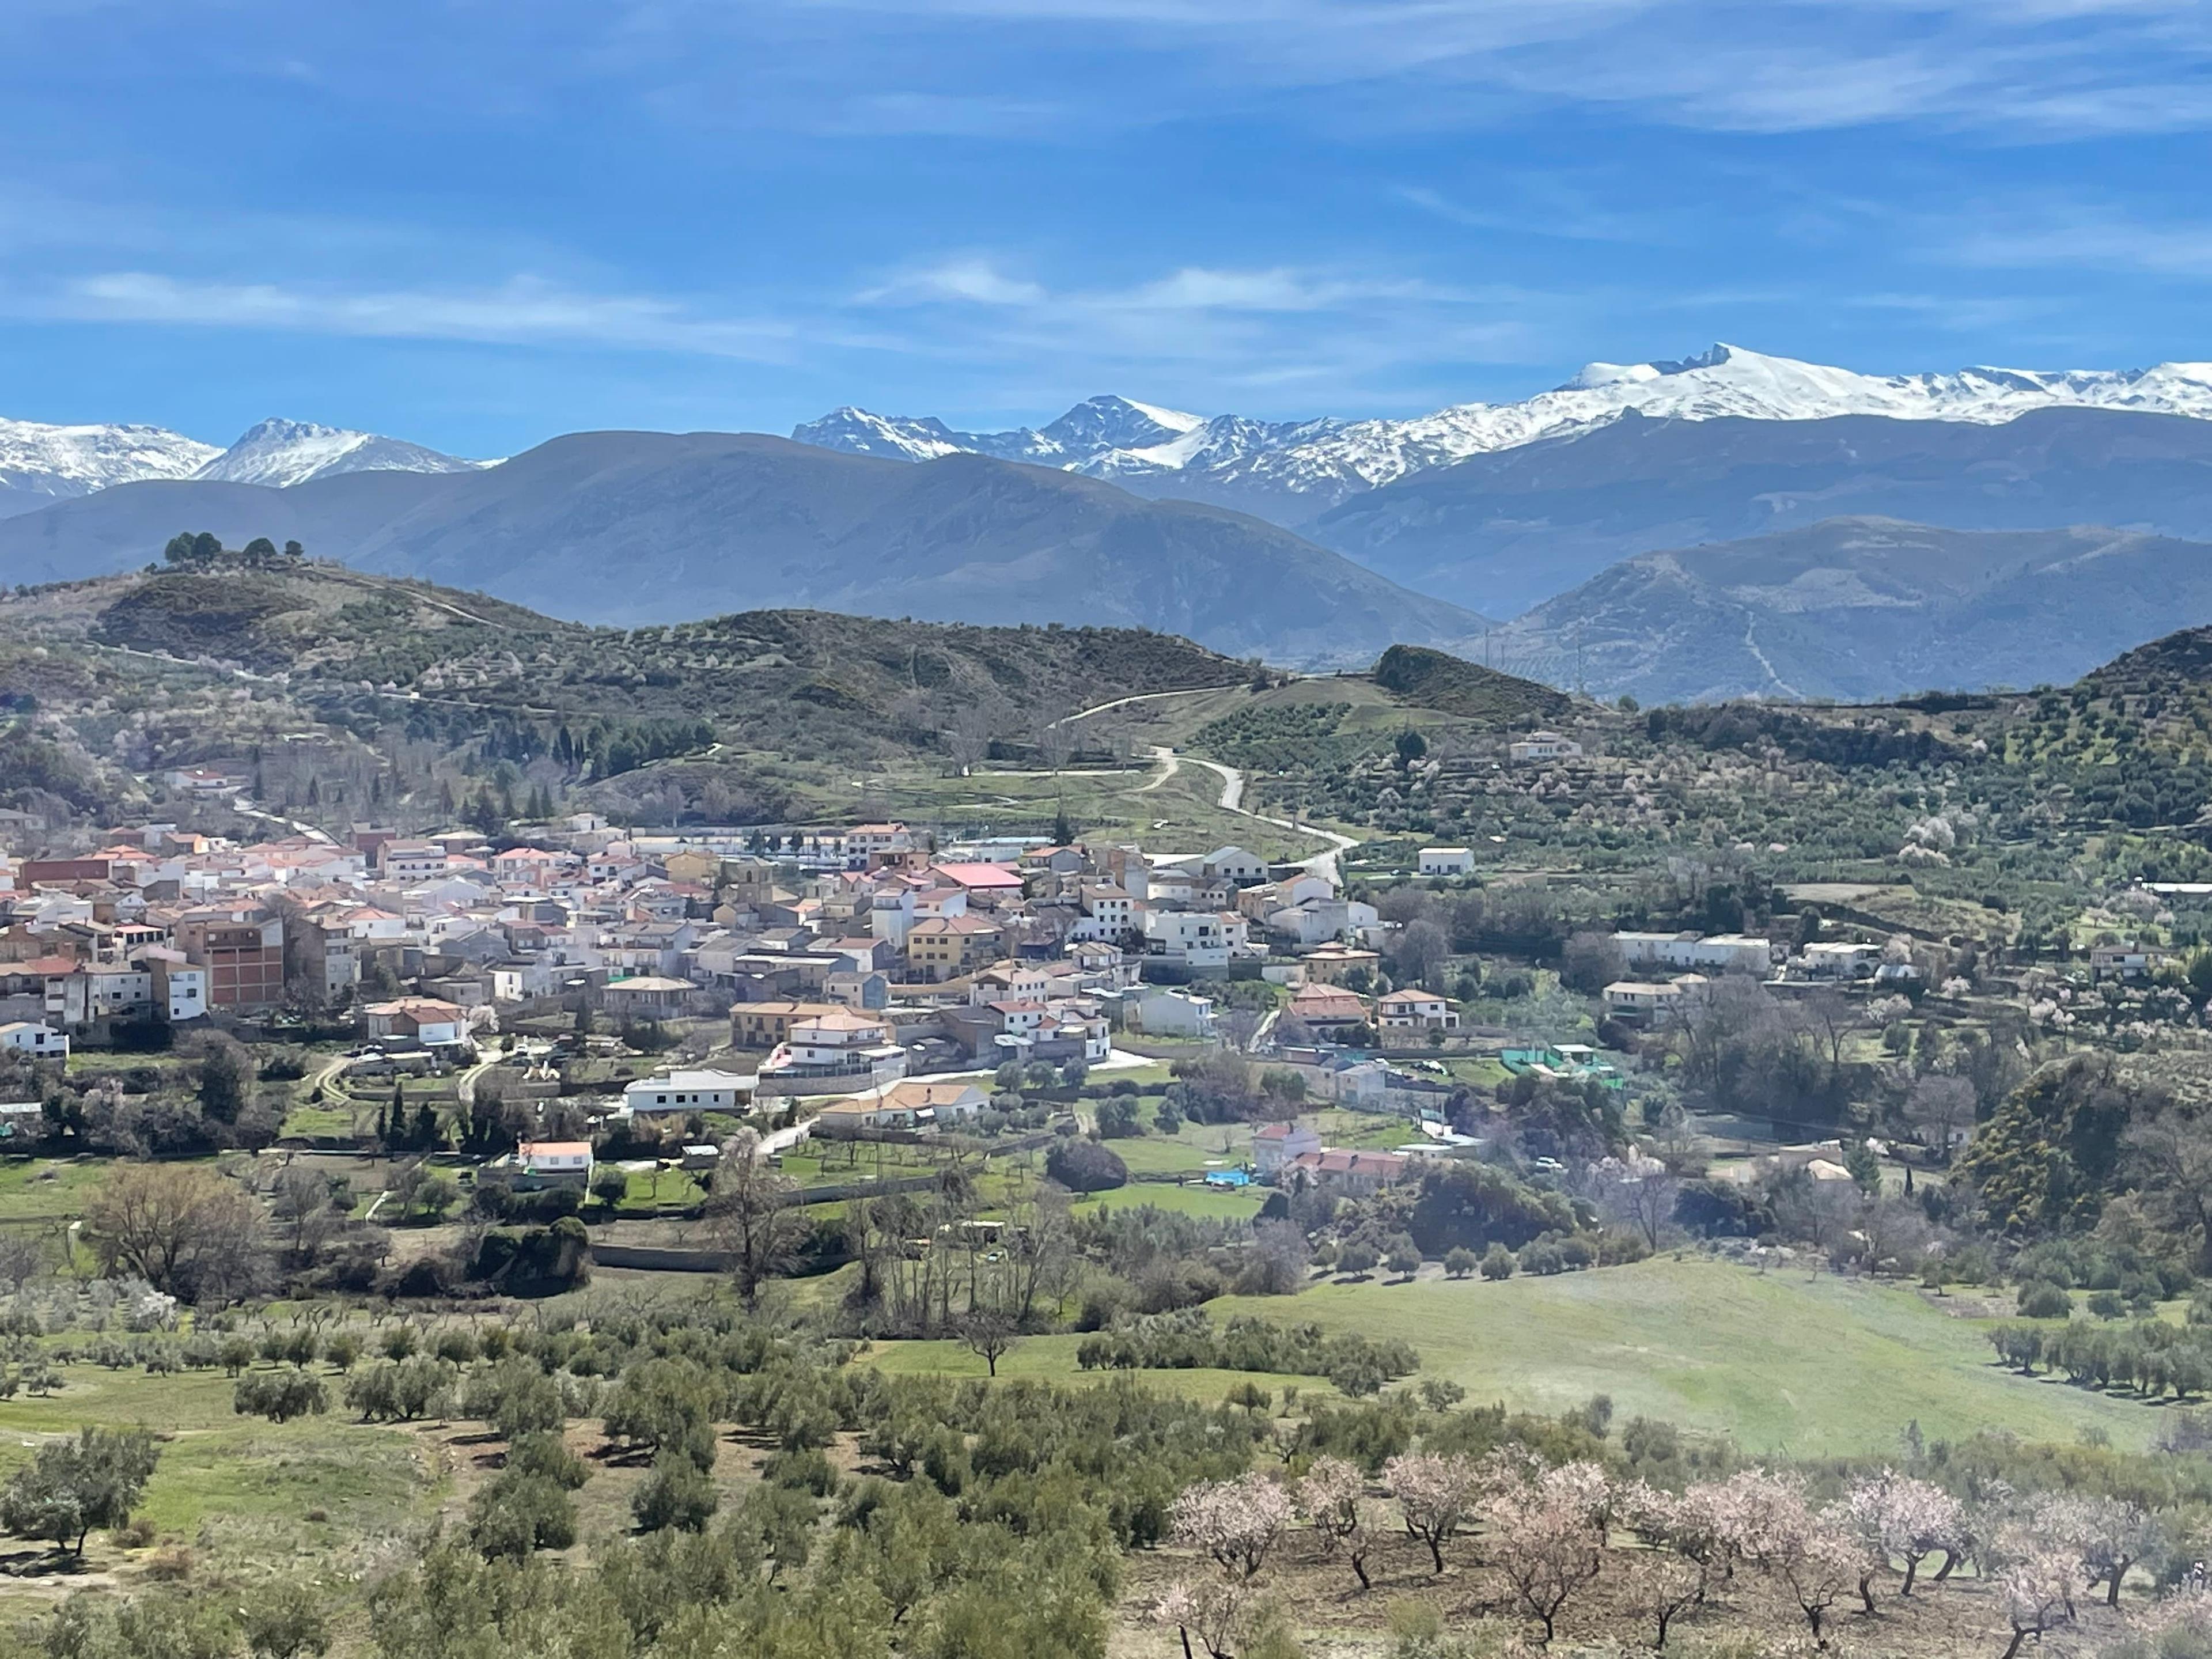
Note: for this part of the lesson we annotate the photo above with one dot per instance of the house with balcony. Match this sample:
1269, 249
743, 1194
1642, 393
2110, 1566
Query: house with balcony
1326, 1010
1194, 939
842, 1046
1417, 1011
1653, 1002
939, 948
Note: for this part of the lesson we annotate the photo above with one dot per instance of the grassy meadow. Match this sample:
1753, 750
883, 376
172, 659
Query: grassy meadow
1782, 1362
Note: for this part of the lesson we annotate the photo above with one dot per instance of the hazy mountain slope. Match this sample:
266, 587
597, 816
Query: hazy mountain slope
643, 527
1500, 532
125, 526
638, 527
1864, 609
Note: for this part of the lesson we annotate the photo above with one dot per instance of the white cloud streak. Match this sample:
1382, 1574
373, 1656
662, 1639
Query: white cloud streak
2073, 235
524, 311
1326, 337
2037, 70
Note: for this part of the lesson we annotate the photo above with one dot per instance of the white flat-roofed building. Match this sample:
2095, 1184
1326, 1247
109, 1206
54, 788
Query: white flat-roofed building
1687, 953
1543, 746
690, 1092
553, 1163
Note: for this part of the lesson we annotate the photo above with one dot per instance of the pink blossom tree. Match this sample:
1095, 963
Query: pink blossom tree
2036, 1593
1757, 1516
1687, 1523
1211, 1609
2108, 1536
1661, 1586
1819, 1570
1235, 1522
1544, 1534
1897, 1517
1436, 1494
1330, 1497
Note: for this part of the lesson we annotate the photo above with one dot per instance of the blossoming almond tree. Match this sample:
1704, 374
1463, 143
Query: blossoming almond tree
1897, 1517
1759, 1516
2036, 1593
1235, 1522
1687, 1523
1818, 1571
1661, 1586
1209, 1608
1544, 1535
2108, 1536
1330, 1496
1437, 1495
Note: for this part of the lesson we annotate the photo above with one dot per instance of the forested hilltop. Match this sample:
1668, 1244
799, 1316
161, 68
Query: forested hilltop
421, 699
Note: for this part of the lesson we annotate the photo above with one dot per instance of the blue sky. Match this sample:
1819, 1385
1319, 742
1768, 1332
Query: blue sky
476, 224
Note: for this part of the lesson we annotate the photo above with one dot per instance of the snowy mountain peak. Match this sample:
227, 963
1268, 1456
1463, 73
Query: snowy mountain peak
1292, 470
1596, 376
42, 464
283, 453
1100, 425
857, 432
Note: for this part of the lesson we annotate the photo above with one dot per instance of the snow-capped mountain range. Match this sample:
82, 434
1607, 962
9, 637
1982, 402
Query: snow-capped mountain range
283, 453
1319, 463
41, 465
1106, 437
1289, 471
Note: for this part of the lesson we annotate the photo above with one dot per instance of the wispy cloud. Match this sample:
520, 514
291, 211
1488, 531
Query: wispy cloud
1320, 335
523, 311
971, 281
1315, 333
2081, 236
2036, 69
1538, 206
978, 279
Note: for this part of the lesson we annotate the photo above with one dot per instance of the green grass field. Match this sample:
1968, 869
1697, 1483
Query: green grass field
1193, 1150
324, 1120
246, 1492
42, 1188
1193, 1199
1779, 1362
1366, 1131
1054, 1357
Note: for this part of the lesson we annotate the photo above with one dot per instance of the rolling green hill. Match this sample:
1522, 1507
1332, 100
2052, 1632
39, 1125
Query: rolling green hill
1452, 685
396, 692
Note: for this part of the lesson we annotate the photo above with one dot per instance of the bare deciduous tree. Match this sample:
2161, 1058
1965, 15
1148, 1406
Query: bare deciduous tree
751, 1217
182, 1229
